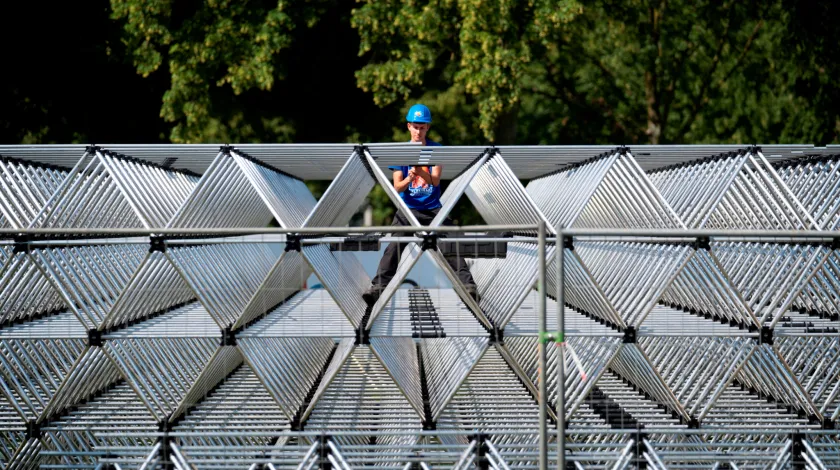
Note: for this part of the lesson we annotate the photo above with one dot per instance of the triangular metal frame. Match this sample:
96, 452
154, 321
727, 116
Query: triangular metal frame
253, 192
155, 286
769, 276
623, 195
738, 190
34, 369
714, 361
465, 411
26, 292
223, 362
399, 357
218, 406
92, 372
813, 180
287, 367
440, 357
819, 295
767, 372
360, 359
232, 280
162, 370
91, 275
25, 187
637, 276
342, 353
633, 365
595, 355
110, 178
816, 362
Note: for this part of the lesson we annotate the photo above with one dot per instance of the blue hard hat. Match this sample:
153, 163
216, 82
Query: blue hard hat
419, 113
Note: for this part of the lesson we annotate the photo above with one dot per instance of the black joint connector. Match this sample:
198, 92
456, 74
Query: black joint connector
361, 149
165, 426
33, 429
835, 243
92, 148
497, 335
21, 244
702, 243
225, 149
324, 451
569, 242
693, 423
295, 424
796, 448
429, 242
827, 423
622, 150
765, 335
292, 243
630, 335
94, 338
481, 450
157, 243
362, 335
228, 337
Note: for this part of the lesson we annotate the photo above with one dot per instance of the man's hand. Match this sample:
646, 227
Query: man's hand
412, 173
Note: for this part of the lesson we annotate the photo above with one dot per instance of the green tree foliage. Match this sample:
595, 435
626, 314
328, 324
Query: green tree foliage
613, 71
516, 71
215, 45
675, 72
459, 48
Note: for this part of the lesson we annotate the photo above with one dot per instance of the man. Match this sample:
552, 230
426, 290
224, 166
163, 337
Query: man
419, 187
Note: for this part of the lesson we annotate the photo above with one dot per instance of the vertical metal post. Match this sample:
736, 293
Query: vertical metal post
560, 341
543, 397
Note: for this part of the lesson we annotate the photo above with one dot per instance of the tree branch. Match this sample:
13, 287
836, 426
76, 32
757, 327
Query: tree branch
697, 102
744, 51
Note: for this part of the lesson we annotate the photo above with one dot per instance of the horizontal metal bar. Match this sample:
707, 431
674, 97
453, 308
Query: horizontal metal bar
138, 232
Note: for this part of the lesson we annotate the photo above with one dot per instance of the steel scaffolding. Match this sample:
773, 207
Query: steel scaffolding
655, 306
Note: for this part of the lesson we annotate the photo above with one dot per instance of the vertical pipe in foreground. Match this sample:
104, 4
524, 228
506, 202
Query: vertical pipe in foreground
543, 397
560, 343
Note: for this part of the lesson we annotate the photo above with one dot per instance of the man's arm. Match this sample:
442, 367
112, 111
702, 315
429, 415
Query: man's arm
433, 178
400, 182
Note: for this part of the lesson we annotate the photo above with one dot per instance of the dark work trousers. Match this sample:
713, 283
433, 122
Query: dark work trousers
391, 259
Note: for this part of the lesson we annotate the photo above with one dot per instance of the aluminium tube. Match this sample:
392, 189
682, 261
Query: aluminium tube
6, 232
543, 395
560, 343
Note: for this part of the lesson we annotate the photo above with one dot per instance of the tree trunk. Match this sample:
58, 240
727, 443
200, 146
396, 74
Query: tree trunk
652, 96
654, 120
506, 127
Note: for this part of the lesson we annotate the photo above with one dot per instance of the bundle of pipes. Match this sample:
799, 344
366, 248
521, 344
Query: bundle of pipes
149, 317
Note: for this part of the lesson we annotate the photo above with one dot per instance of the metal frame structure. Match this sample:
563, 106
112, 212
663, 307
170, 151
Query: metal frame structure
149, 318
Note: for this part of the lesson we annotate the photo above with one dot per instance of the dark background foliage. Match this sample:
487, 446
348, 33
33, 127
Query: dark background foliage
503, 71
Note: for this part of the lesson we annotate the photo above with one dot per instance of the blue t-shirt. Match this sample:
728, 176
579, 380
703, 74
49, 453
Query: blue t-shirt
419, 196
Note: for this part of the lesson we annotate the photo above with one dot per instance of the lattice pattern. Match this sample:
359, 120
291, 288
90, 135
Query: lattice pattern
105, 342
